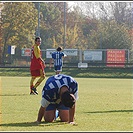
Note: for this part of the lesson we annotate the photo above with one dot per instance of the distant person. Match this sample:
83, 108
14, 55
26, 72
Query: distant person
57, 59
60, 92
36, 67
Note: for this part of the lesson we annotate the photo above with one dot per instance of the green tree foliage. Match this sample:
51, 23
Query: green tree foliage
50, 23
122, 12
74, 32
94, 30
52, 26
19, 20
109, 35
88, 25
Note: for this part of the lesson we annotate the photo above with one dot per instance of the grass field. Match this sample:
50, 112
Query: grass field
104, 104
93, 72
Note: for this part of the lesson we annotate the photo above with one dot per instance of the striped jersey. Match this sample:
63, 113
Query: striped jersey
57, 57
53, 84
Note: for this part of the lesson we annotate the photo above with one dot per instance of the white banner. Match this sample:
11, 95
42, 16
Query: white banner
71, 52
13, 49
68, 52
49, 52
93, 55
26, 52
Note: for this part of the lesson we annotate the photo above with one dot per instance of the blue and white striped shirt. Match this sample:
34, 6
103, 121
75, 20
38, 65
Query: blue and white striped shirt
57, 57
53, 84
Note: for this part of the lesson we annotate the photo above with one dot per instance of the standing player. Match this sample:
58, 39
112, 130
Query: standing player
36, 67
57, 58
59, 92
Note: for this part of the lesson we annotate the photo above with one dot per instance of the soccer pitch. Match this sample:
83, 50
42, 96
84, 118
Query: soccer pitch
104, 104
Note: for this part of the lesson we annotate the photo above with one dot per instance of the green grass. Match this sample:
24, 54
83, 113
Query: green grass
104, 104
94, 72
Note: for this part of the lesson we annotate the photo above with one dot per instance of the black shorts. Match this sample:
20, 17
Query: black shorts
56, 106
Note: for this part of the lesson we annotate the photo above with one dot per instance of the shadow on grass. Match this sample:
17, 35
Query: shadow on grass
29, 124
110, 111
14, 94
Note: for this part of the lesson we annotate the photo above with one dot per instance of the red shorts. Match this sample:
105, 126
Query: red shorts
36, 73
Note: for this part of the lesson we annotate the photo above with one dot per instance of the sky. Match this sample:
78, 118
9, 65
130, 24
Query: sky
72, 3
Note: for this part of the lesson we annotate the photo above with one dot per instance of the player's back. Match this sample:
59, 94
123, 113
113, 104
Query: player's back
35, 64
54, 83
57, 56
57, 81
52, 86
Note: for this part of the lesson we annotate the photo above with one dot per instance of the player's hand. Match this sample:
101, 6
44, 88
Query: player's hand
44, 65
73, 123
43, 62
37, 122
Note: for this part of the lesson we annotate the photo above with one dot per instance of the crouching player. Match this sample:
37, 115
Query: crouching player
60, 92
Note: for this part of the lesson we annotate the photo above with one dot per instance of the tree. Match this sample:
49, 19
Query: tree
110, 35
122, 12
74, 33
1, 46
107, 24
49, 23
52, 25
19, 21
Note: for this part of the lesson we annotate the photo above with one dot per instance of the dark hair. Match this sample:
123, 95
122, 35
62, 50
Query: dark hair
59, 49
67, 99
37, 38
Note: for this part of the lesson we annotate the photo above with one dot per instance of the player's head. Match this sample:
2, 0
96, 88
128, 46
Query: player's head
38, 40
68, 99
59, 48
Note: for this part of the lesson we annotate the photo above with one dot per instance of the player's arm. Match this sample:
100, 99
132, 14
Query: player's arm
43, 62
37, 52
71, 114
38, 55
72, 110
64, 55
44, 104
40, 114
